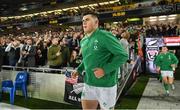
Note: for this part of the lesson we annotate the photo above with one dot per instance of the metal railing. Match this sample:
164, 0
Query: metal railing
34, 78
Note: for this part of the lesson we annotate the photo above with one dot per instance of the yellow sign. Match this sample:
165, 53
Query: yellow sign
9, 27
124, 7
53, 22
118, 14
53, 3
133, 19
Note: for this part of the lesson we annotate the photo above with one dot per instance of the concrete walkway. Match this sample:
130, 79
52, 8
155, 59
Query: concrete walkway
154, 96
4, 106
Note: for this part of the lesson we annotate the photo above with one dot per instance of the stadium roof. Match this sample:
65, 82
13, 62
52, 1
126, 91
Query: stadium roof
20, 7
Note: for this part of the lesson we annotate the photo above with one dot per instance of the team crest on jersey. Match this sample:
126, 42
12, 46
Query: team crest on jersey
96, 44
169, 57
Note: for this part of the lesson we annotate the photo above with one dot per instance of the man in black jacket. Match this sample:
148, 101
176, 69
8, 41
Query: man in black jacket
28, 54
1, 56
13, 51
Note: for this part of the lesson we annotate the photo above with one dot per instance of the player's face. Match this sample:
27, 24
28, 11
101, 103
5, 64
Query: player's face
164, 49
89, 23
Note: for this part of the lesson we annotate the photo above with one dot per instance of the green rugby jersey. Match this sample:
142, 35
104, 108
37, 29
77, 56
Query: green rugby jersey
101, 50
164, 61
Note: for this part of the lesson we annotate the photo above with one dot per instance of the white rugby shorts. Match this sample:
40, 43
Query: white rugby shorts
106, 96
167, 74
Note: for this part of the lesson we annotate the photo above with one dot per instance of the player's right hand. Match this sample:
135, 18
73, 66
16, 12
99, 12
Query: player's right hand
158, 69
74, 74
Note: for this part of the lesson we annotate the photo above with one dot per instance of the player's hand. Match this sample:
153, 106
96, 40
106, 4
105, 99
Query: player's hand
74, 74
98, 72
173, 65
158, 69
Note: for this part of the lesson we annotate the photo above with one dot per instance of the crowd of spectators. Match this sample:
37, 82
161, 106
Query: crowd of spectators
57, 49
152, 30
165, 30
36, 49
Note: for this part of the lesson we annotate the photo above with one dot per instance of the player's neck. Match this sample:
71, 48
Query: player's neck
164, 52
90, 33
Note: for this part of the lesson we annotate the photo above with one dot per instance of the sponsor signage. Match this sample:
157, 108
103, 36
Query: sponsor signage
171, 39
152, 50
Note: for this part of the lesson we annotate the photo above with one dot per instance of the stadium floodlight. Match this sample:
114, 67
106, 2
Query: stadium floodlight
171, 18
174, 15
75, 7
10, 17
153, 17
65, 9
35, 13
101, 3
43, 12
91, 5
23, 9
153, 20
106, 3
111, 2
84, 6
162, 19
49, 11
59, 10
115, 22
162, 16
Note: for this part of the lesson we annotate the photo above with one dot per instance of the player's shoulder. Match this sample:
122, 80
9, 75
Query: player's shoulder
159, 55
104, 33
84, 38
170, 53
101, 31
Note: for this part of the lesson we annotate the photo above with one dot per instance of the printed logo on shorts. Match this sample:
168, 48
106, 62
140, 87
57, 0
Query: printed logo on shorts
104, 104
171, 75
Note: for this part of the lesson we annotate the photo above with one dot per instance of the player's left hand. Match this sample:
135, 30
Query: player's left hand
98, 72
173, 65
